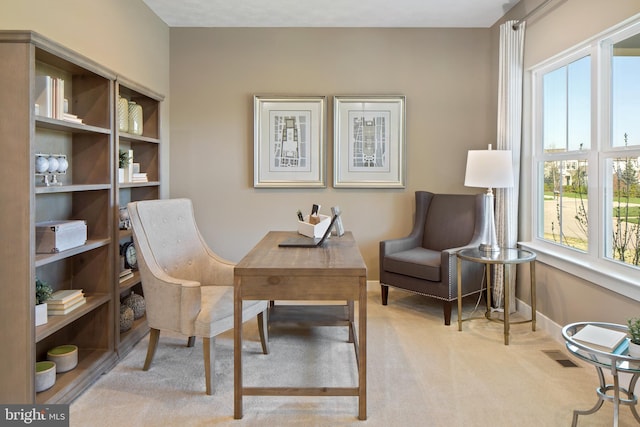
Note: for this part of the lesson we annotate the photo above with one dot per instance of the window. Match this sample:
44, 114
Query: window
586, 153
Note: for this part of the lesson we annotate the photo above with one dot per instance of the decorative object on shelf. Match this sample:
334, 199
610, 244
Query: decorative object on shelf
123, 114
289, 148
135, 118
45, 375
43, 293
126, 318
123, 162
124, 222
128, 250
137, 304
634, 332
64, 356
56, 236
50, 166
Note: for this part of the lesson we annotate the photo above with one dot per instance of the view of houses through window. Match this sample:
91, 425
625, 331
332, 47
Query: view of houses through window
587, 149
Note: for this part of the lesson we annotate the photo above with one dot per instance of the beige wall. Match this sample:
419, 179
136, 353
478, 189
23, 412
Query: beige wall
444, 74
562, 24
122, 35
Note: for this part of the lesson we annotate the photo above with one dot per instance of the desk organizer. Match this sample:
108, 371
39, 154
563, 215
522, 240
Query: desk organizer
311, 230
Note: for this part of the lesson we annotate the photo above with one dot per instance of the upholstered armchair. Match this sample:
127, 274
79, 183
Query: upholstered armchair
187, 288
425, 262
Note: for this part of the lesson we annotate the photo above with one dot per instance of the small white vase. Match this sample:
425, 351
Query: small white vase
120, 175
634, 350
41, 314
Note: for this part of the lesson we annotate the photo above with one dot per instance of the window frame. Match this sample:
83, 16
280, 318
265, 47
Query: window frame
592, 264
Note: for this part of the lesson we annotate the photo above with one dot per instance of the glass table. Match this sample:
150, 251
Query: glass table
602, 360
506, 257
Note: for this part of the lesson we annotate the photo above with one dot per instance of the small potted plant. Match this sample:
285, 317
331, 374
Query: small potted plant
43, 292
123, 162
634, 332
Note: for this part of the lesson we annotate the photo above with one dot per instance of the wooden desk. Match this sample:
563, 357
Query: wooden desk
335, 271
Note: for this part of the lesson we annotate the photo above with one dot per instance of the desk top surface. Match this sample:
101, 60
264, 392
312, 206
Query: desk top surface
337, 256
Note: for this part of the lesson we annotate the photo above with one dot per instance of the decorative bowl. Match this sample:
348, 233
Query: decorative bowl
65, 356
45, 375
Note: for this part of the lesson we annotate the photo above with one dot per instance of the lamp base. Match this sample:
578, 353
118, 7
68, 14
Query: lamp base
486, 247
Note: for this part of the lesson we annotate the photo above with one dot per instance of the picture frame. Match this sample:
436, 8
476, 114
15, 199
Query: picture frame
369, 141
289, 141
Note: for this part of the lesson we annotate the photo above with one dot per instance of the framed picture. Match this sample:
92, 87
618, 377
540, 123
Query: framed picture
369, 141
289, 141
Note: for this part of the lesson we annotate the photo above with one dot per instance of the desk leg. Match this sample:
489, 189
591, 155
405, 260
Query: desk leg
507, 297
459, 264
350, 314
362, 361
532, 272
237, 349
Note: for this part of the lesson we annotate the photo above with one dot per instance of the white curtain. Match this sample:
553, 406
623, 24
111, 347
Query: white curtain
509, 138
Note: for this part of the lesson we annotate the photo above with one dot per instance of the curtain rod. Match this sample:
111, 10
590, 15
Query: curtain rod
524, 18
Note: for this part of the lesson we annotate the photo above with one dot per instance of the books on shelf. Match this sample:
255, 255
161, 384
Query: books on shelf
65, 301
599, 338
64, 296
67, 309
139, 177
50, 101
71, 118
126, 274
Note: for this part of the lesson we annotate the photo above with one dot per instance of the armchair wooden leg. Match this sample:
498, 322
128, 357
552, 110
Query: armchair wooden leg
208, 349
191, 341
384, 289
263, 330
446, 308
154, 335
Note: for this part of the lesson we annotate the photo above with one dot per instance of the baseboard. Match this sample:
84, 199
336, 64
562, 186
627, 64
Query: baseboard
542, 322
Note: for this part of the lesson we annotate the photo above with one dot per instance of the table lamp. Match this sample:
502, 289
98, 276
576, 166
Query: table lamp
491, 169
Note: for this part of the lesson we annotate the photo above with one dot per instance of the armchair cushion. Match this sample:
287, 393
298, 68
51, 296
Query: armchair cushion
417, 262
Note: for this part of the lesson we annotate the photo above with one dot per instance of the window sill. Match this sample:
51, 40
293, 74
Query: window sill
601, 273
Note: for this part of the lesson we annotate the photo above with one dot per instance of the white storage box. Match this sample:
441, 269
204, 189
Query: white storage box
56, 236
311, 230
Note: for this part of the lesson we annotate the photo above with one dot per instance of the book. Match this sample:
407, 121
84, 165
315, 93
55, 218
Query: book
71, 118
57, 305
44, 96
64, 295
58, 312
599, 338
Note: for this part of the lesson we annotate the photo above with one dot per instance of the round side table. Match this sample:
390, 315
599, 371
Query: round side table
611, 361
505, 256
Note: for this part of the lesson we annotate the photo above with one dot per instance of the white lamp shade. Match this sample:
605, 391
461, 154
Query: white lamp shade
489, 169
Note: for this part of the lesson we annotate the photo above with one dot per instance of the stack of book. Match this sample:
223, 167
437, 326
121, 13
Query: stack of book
65, 301
139, 177
126, 274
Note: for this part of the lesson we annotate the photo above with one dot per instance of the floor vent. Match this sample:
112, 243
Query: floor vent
560, 357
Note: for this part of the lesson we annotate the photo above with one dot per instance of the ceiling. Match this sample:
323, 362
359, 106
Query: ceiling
330, 13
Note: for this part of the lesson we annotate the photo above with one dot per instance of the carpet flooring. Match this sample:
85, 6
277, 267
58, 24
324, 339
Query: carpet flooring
420, 373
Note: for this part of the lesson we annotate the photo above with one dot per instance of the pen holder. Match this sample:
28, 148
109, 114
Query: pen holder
314, 230
314, 219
